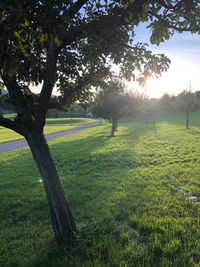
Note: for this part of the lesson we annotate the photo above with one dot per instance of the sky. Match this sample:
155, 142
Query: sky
184, 53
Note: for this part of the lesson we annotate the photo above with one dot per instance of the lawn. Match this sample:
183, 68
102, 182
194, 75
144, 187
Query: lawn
52, 125
135, 198
178, 118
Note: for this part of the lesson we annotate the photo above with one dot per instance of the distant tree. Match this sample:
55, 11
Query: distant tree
187, 102
109, 103
148, 109
197, 95
165, 102
77, 111
133, 102
115, 102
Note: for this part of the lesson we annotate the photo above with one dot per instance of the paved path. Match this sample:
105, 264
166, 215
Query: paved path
12, 145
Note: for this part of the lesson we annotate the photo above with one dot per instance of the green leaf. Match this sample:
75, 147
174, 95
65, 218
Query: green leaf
26, 23
16, 34
57, 40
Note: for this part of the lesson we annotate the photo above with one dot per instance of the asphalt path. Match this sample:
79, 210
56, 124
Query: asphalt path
13, 145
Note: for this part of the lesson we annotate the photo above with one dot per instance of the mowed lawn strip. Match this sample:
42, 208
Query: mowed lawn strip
131, 196
52, 126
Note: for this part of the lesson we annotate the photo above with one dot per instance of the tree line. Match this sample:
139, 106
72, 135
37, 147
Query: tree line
115, 101
185, 102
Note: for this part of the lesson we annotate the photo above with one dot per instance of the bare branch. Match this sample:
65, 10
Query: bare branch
74, 9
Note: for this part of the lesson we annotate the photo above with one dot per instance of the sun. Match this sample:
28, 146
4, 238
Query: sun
181, 73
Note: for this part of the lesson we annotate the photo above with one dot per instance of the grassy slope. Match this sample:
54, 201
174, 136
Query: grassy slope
52, 125
129, 195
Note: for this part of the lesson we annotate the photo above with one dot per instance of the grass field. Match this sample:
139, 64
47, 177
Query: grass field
52, 125
178, 118
135, 198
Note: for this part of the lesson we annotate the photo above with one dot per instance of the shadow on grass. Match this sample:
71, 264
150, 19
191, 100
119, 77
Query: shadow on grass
99, 181
94, 174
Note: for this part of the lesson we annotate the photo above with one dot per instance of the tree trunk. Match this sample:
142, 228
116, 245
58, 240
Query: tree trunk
62, 219
113, 128
116, 124
187, 119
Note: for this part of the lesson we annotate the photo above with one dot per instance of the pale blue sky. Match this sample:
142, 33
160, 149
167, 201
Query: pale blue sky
184, 52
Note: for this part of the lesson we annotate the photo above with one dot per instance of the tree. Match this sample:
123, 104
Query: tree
169, 16
165, 102
187, 102
72, 45
115, 101
110, 103
148, 109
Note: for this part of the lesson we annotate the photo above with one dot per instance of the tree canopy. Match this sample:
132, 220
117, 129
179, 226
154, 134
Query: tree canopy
114, 102
186, 102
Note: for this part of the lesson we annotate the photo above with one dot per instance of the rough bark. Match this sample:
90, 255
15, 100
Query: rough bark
116, 124
63, 222
113, 128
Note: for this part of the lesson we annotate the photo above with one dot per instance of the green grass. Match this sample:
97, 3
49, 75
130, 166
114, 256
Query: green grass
178, 118
52, 125
130, 196
10, 115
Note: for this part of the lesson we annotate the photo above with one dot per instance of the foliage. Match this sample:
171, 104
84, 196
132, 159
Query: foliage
148, 109
167, 17
187, 101
110, 101
165, 103
115, 101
